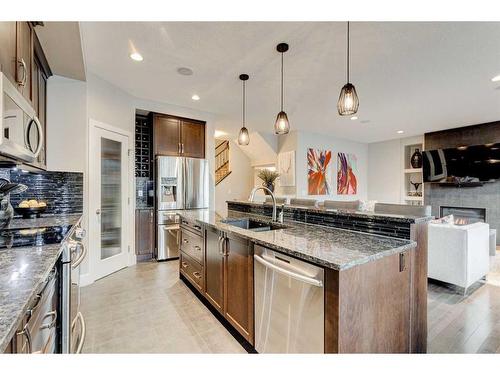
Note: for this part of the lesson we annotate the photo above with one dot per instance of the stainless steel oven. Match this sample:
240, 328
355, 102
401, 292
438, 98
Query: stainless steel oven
21, 134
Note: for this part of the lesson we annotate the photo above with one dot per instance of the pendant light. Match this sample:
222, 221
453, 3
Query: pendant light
282, 126
243, 137
348, 100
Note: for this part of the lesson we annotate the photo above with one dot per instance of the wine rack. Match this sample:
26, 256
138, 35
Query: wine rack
143, 147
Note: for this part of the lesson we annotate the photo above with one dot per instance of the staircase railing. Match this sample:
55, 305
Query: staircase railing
221, 162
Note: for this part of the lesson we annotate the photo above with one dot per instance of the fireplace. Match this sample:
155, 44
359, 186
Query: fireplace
464, 215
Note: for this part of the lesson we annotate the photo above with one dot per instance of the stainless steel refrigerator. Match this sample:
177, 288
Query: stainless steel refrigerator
181, 184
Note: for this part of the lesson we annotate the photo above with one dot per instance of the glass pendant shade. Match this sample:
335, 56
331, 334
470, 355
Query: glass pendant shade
348, 100
281, 126
243, 137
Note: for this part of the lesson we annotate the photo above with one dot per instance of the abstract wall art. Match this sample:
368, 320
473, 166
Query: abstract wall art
286, 168
347, 183
319, 175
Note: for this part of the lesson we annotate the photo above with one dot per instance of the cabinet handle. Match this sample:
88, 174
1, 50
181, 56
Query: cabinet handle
178, 148
182, 148
185, 241
220, 244
225, 246
197, 248
53, 322
185, 265
402, 262
26, 333
197, 275
22, 64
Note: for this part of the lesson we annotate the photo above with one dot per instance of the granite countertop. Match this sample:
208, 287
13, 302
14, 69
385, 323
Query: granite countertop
23, 271
43, 222
334, 248
366, 214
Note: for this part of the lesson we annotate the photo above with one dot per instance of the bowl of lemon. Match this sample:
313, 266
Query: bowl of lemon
31, 208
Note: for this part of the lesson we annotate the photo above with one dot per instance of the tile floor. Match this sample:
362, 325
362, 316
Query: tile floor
147, 309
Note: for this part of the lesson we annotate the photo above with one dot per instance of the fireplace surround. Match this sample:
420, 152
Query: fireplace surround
464, 215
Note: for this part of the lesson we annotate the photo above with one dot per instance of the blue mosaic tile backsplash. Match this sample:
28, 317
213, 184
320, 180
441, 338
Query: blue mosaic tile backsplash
62, 191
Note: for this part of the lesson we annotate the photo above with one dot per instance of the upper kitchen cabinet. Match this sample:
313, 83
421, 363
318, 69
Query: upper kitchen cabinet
193, 139
166, 135
8, 49
174, 136
24, 58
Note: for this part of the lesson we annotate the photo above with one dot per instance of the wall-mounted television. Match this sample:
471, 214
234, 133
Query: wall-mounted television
479, 163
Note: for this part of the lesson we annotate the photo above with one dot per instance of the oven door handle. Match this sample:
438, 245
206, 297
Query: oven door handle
296, 276
82, 256
79, 317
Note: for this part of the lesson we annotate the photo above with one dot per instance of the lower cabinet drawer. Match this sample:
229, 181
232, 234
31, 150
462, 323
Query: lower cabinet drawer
192, 245
192, 270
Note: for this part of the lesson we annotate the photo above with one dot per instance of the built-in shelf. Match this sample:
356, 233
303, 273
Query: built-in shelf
411, 176
413, 170
413, 198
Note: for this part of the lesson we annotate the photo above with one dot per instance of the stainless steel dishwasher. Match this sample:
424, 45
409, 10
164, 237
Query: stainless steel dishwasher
289, 304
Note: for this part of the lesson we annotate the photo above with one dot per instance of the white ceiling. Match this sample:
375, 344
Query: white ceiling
417, 77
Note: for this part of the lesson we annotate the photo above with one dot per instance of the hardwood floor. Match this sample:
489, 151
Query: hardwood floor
469, 324
147, 309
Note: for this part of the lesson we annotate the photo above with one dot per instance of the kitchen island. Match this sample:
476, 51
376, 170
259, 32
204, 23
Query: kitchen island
368, 282
24, 270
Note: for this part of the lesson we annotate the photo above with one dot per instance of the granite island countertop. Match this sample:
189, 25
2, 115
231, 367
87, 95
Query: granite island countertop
347, 213
334, 248
23, 271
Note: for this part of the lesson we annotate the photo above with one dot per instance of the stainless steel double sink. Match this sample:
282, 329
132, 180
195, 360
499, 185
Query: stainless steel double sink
253, 225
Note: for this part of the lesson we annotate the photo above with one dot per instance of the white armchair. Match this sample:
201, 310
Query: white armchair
458, 255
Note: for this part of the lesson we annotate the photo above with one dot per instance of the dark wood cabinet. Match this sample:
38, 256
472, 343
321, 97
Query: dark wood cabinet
192, 139
166, 135
238, 285
24, 58
174, 136
229, 279
214, 269
8, 32
23, 62
144, 233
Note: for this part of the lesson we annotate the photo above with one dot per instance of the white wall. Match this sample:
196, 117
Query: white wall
385, 169
300, 141
70, 105
238, 184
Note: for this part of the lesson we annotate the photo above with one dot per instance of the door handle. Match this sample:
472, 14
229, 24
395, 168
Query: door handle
98, 211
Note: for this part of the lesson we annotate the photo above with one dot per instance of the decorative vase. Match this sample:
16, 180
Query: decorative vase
416, 159
6, 211
270, 186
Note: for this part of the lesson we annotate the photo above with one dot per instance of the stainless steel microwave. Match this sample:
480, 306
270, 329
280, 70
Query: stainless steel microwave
21, 134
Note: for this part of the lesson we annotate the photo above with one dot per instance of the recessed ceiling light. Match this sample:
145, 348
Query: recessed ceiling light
136, 56
184, 71
195, 97
496, 78
400, 131
354, 118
